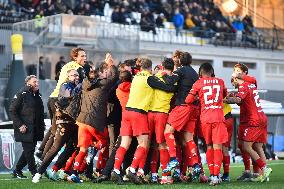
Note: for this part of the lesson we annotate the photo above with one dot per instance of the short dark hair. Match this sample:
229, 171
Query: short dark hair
168, 64
243, 67
129, 62
103, 66
146, 63
125, 76
206, 68
185, 59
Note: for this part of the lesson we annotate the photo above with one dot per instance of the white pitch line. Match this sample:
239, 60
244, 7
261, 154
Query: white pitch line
15, 179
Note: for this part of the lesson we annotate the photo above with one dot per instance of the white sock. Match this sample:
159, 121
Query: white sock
116, 171
132, 170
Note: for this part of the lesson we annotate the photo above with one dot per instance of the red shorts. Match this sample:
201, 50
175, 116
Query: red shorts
252, 134
157, 122
87, 134
214, 133
229, 123
134, 124
184, 118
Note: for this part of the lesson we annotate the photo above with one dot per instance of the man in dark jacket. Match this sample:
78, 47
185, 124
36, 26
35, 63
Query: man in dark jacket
92, 116
27, 113
183, 117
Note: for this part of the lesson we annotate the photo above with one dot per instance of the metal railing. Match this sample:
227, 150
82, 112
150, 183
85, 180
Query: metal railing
88, 29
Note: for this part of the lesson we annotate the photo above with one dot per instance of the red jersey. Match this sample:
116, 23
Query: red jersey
250, 107
211, 92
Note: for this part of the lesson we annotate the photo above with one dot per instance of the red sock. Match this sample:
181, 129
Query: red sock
143, 161
55, 168
246, 159
100, 160
218, 158
139, 155
255, 168
226, 164
261, 164
191, 148
119, 156
210, 160
154, 160
79, 159
164, 159
83, 166
69, 162
170, 140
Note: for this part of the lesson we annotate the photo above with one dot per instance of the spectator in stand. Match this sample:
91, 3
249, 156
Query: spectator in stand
87, 10
238, 24
80, 8
160, 21
58, 67
239, 27
166, 8
115, 15
189, 22
122, 16
178, 21
97, 6
147, 22
60, 7
39, 22
248, 25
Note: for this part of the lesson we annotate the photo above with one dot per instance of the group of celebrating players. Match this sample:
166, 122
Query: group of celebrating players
163, 114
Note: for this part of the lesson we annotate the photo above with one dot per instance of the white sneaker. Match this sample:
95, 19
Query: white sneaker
36, 178
215, 180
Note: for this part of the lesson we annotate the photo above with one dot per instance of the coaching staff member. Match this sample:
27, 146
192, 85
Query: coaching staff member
27, 113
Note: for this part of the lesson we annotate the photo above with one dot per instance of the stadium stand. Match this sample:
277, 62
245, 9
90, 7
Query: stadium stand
203, 18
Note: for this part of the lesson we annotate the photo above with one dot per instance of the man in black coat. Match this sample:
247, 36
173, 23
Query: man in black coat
27, 113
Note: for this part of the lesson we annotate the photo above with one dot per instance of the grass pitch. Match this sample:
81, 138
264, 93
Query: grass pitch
276, 182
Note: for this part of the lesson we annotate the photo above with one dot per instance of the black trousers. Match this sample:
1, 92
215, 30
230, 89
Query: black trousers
127, 158
27, 157
49, 136
66, 133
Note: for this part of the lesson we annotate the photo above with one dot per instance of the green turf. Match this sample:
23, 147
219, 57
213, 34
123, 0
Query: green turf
276, 181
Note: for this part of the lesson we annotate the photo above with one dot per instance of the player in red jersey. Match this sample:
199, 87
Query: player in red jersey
253, 125
211, 91
241, 72
182, 118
